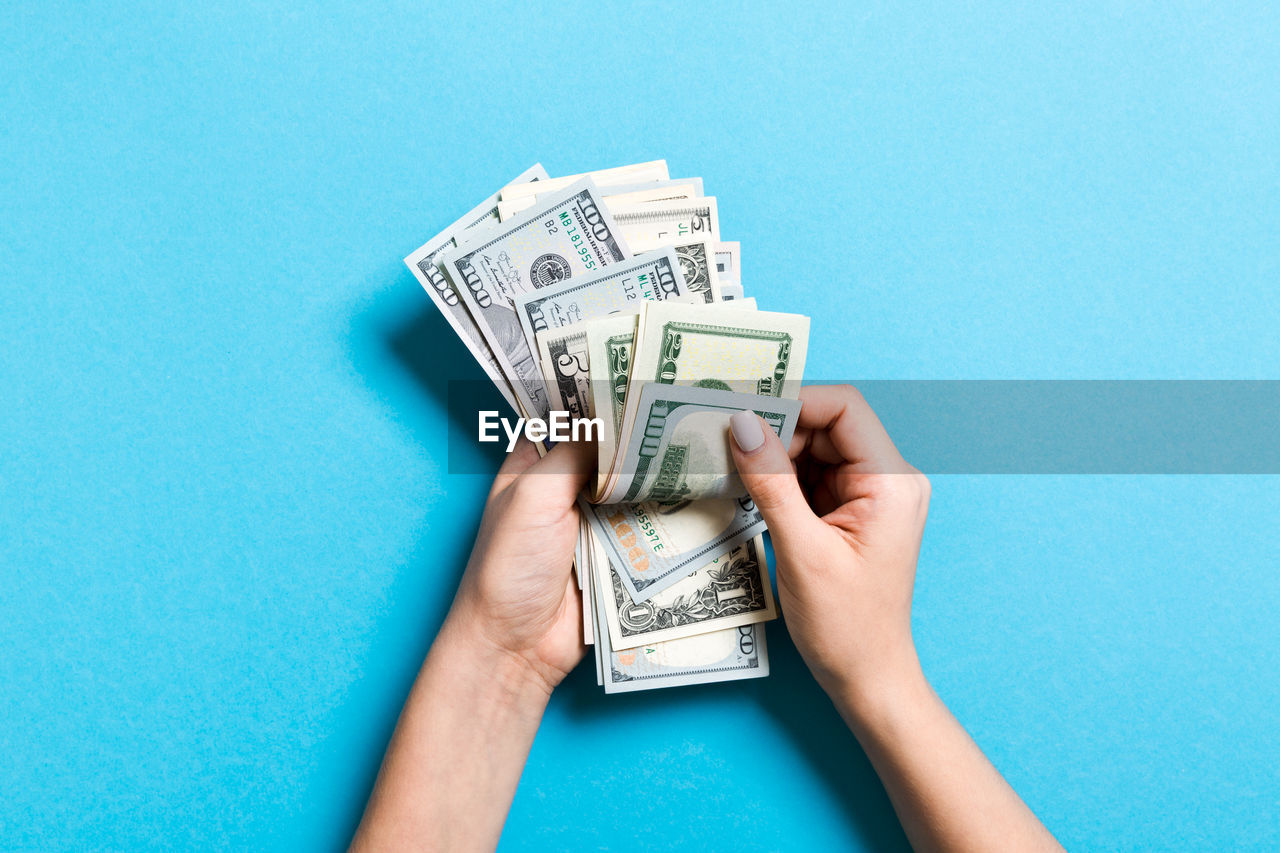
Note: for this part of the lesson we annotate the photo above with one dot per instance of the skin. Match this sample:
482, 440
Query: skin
511, 636
846, 514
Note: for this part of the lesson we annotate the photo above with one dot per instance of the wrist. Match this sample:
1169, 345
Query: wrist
507, 677
872, 695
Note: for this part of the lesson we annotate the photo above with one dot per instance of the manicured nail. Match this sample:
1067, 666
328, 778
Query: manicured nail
746, 430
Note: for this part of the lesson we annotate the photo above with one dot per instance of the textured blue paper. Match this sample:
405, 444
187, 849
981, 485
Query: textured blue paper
226, 530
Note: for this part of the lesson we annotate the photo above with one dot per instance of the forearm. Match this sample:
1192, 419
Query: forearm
456, 756
946, 793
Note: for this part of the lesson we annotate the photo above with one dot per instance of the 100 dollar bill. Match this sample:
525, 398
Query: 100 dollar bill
424, 263
570, 234
679, 450
718, 346
652, 277
670, 535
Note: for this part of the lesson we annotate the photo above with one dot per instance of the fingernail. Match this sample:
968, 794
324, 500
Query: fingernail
746, 430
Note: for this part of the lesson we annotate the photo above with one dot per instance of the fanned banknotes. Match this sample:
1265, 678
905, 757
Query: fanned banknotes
687, 507
610, 294
653, 276
424, 263
646, 192
570, 233
714, 346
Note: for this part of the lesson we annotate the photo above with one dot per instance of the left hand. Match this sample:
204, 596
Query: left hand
518, 594
513, 633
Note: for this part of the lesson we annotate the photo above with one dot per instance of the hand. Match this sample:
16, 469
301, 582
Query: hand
846, 518
518, 594
512, 634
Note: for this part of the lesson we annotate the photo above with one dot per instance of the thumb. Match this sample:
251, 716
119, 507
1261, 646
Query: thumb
564, 471
765, 469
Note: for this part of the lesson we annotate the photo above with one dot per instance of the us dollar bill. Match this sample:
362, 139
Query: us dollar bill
698, 265
569, 234
653, 546
606, 356
679, 451
675, 530
565, 361
729, 654
733, 654
610, 342
699, 258
424, 263
729, 591
632, 173
729, 260
650, 226
718, 346
724, 346
651, 191
654, 277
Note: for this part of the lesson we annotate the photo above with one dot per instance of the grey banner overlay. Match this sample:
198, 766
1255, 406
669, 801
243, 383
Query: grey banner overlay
1023, 426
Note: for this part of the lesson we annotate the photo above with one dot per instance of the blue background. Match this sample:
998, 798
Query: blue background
227, 531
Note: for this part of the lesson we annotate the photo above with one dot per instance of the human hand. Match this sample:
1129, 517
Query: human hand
846, 514
511, 636
518, 595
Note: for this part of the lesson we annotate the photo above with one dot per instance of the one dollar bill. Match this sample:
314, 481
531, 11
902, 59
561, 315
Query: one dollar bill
729, 591
729, 654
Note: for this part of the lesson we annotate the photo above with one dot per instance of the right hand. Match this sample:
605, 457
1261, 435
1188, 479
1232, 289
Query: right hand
846, 540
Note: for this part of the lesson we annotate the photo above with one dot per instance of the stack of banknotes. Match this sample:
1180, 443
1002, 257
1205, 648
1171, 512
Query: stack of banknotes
610, 295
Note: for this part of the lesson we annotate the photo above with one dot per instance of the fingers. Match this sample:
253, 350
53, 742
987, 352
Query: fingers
837, 426
766, 471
